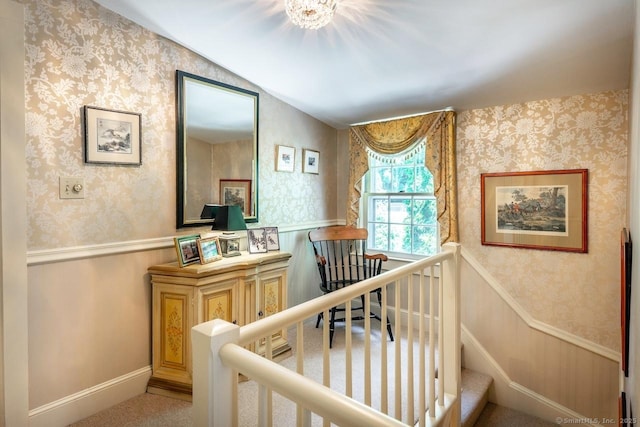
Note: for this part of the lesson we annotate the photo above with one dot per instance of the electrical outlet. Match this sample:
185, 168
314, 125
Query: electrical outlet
71, 188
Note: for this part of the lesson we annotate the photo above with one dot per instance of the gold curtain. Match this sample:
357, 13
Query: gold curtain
395, 136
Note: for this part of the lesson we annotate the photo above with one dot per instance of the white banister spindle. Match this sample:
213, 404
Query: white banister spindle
432, 341
213, 381
398, 355
450, 315
220, 353
421, 331
410, 372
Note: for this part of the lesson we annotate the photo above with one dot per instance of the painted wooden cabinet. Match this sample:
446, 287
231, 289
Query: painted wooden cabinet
239, 289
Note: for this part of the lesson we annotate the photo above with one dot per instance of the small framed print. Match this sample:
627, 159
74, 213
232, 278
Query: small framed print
257, 240
273, 241
187, 249
285, 158
209, 250
112, 137
310, 161
236, 192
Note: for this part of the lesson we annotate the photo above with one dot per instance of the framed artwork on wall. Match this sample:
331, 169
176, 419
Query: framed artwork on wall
187, 249
535, 210
285, 158
112, 137
236, 192
310, 161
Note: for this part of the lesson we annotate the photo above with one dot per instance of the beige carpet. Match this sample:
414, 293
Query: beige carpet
148, 410
285, 410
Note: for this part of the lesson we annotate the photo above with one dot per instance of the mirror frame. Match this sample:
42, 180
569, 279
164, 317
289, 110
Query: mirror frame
181, 163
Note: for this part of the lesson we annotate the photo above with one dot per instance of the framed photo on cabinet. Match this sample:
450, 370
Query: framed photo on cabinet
209, 250
187, 249
257, 240
272, 238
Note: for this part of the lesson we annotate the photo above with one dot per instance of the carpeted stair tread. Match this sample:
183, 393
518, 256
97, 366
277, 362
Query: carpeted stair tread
475, 394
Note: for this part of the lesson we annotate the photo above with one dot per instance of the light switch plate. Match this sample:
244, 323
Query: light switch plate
71, 188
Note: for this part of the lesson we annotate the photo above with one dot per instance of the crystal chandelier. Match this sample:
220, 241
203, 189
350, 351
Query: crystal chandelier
311, 14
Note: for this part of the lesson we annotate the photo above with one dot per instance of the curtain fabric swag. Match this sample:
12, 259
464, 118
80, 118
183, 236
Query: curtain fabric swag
395, 136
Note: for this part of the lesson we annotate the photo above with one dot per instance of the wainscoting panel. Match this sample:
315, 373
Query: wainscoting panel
574, 378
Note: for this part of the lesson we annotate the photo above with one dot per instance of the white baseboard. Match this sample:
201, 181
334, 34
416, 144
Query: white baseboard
90, 401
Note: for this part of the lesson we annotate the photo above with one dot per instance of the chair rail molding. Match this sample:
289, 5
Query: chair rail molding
536, 324
46, 256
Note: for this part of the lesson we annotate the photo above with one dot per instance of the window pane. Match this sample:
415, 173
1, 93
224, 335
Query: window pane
424, 240
381, 180
403, 178
423, 181
380, 211
400, 238
400, 211
380, 233
424, 211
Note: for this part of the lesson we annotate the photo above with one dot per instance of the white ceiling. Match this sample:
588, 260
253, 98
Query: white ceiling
380, 59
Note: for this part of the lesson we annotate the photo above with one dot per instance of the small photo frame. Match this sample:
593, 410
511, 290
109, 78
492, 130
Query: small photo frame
310, 161
257, 240
285, 158
236, 192
112, 137
209, 250
273, 241
187, 249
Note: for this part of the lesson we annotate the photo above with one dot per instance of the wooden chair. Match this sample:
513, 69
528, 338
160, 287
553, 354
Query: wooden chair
342, 261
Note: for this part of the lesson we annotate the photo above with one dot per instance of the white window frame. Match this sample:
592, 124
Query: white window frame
364, 217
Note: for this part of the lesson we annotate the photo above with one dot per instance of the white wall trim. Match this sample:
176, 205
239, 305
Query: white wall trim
536, 324
87, 402
72, 253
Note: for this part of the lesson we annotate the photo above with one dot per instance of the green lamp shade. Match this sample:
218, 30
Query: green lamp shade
229, 218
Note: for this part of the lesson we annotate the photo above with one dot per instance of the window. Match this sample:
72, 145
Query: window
400, 207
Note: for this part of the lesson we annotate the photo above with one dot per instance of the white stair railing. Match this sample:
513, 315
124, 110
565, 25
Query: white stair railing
219, 354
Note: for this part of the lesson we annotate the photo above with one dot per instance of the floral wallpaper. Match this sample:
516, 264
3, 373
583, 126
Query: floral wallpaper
78, 53
578, 293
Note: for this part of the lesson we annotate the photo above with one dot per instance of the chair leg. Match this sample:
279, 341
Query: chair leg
318, 320
389, 329
332, 325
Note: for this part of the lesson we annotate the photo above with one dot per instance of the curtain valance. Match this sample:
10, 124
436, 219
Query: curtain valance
396, 136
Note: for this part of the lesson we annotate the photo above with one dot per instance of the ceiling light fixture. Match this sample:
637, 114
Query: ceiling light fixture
311, 14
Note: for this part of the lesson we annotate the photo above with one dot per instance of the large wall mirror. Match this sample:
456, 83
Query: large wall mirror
217, 148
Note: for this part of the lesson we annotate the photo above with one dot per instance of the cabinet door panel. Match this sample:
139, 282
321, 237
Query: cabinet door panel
218, 302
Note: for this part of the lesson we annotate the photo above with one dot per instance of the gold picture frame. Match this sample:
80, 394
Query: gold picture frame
285, 158
209, 249
535, 210
187, 249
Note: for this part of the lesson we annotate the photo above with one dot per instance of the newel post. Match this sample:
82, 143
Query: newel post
452, 329
213, 382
